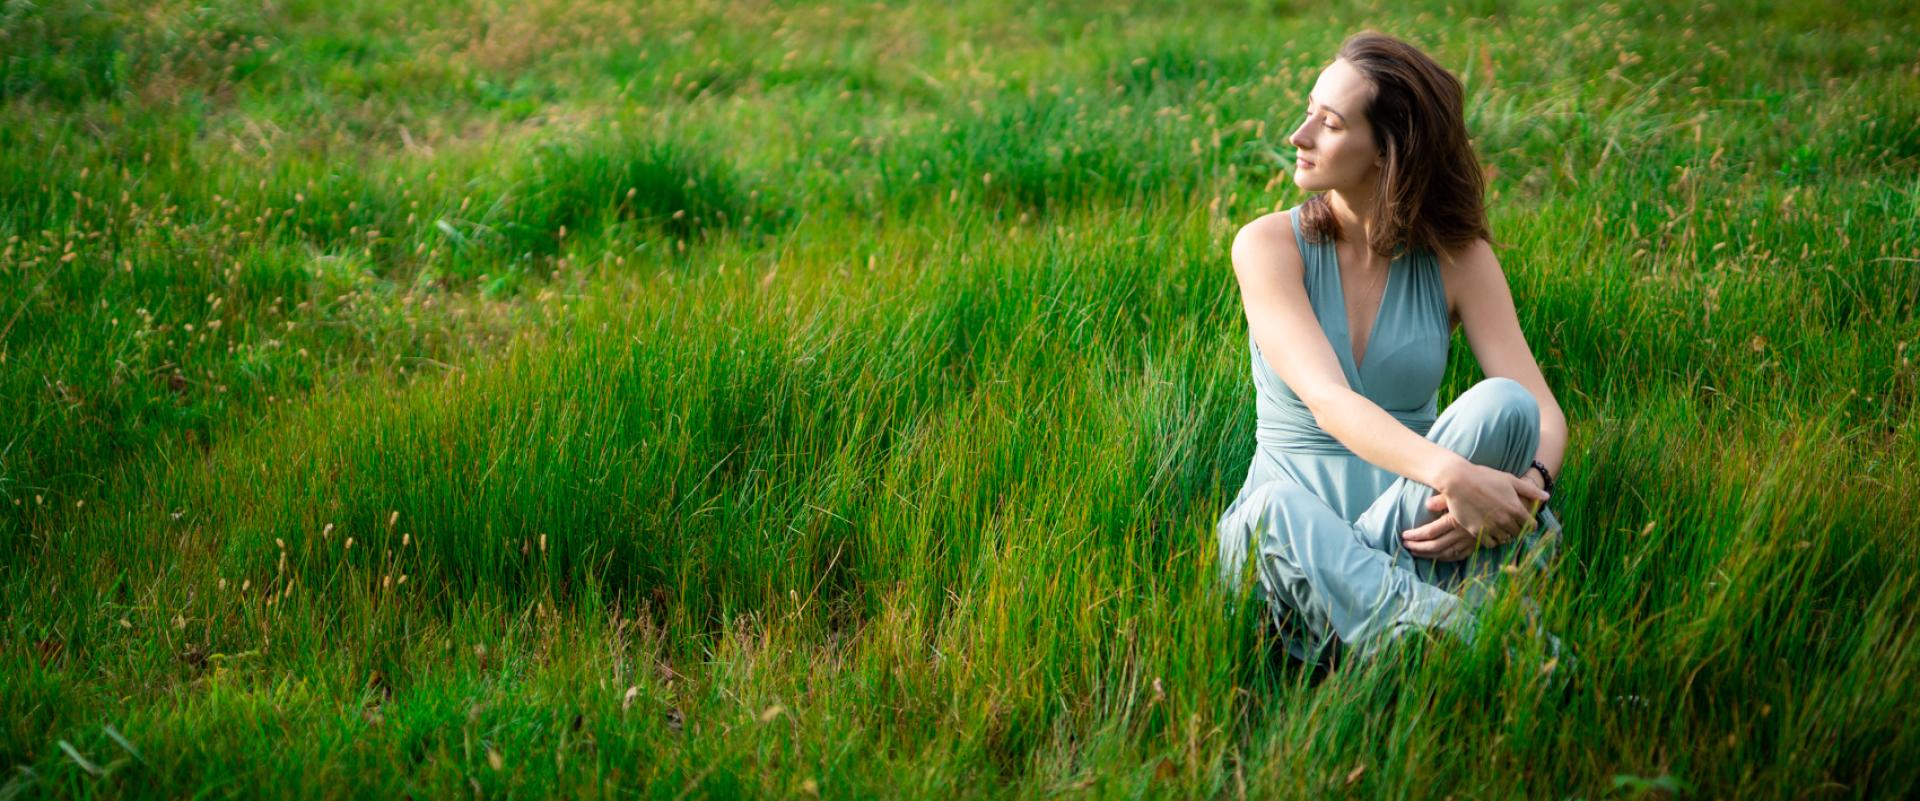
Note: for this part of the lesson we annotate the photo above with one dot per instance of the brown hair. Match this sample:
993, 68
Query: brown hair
1430, 188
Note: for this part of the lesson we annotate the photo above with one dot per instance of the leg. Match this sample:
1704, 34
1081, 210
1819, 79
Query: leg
1319, 579
1495, 424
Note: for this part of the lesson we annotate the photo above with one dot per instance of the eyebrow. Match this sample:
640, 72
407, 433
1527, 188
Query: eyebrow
1343, 117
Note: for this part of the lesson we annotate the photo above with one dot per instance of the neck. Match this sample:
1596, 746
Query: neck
1354, 210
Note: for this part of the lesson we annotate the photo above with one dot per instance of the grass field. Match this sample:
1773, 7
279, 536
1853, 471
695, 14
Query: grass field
720, 399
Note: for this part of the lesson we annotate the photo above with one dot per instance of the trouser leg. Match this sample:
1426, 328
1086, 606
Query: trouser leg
1495, 424
1330, 578
1321, 581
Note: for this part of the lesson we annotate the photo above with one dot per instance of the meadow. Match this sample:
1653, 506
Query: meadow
740, 399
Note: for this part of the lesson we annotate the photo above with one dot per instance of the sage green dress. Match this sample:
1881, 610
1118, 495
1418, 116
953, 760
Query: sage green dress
1323, 524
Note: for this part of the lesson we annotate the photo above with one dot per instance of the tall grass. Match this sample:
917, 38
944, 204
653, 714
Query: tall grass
720, 399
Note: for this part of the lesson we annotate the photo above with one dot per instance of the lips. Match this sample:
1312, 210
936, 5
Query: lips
1302, 162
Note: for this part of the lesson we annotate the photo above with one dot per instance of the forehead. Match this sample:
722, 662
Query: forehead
1343, 88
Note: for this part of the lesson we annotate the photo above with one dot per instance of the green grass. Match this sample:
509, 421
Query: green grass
733, 400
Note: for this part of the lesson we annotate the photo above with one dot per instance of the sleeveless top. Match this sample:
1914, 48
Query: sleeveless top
1406, 350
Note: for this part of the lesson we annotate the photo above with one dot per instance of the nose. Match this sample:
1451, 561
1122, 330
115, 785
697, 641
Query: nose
1299, 136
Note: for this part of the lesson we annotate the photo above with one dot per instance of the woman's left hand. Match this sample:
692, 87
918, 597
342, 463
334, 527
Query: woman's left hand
1444, 540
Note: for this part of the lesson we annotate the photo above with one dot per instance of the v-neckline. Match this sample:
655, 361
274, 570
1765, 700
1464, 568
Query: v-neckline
1346, 320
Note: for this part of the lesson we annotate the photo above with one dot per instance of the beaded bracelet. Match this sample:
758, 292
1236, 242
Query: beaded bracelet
1544, 476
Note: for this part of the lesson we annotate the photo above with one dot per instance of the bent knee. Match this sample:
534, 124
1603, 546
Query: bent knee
1290, 518
1282, 496
1508, 401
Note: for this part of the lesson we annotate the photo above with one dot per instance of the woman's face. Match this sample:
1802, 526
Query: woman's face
1336, 147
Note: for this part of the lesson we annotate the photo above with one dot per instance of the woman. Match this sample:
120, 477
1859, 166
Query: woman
1363, 509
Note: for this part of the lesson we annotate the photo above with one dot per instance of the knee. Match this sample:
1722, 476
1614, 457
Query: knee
1283, 543
1496, 423
1283, 497
1506, 402
1277, 505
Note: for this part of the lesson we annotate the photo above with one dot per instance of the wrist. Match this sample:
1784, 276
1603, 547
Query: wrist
1537, 473
1450, 472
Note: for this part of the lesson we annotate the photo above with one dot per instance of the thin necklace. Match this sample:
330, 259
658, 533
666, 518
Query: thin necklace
1369, 293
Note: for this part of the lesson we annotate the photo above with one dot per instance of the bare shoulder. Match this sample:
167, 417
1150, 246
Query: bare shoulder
1473, 257
1266, 240
1464, 270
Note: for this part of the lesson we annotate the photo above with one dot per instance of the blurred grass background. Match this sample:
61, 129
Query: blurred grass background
739, 399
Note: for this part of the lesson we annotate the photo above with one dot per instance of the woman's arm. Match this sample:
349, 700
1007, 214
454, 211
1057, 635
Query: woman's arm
1281, 320
1492, 327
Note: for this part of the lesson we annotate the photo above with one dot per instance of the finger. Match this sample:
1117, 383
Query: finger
1511, 518
1520, 529
1453, 546
1503, 534
1472, 541
1528, 491
1432, 549
1444, 539
1437, 503
1429, 531
1526, 527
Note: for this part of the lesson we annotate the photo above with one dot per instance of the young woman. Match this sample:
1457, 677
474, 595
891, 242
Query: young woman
1363, 510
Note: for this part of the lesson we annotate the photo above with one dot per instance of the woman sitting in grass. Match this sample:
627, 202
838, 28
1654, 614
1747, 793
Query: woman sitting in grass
1367, 514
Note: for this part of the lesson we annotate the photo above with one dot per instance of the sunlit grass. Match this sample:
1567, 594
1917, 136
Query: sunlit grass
452, 398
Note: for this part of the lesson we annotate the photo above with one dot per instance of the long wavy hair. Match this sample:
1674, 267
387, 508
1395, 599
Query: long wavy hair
1430, 191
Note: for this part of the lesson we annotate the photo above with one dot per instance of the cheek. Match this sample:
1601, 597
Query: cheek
1334, 152
1351, 157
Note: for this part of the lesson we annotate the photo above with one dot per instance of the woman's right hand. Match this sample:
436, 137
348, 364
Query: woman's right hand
1492, 503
